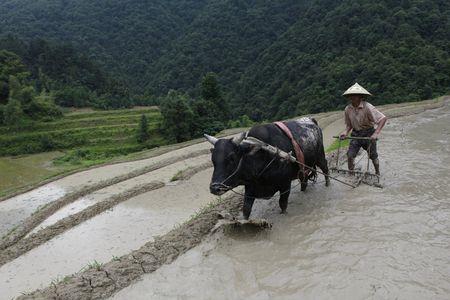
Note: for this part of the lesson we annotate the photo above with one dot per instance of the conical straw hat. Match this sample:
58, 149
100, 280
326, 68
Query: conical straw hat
356, 89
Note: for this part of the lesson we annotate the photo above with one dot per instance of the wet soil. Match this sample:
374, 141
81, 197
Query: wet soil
336, 243
113, 233
23, 213
103, 289
102, 280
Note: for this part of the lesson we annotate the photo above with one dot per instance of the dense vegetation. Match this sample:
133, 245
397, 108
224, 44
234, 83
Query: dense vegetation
126, 36
71, 77
185, 118
396, 49
273, 58
86, 137
19, 101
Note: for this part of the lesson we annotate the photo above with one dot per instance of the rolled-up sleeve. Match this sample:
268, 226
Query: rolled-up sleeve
377, 115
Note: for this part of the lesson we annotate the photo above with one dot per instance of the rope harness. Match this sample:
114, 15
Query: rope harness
298, 150
278, 154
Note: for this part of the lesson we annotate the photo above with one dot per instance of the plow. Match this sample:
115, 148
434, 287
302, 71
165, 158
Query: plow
351, 178
358, 176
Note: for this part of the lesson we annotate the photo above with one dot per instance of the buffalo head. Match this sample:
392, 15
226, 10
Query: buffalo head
227, 156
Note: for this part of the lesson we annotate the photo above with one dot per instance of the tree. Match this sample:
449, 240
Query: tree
210, 92
177, 116
12, 112
10, 66
142, 133
211, 112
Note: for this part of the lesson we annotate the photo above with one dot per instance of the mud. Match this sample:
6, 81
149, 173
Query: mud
74, 219
113, 233
336, 243
102, 281
178, 171
36, 239
17, 209
18, 267
183, 169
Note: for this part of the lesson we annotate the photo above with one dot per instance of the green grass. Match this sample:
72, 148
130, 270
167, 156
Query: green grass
95, 265
41, 150
335, 145
177, 176
104, 129
60, 279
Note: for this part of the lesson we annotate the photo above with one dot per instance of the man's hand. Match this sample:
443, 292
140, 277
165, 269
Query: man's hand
374, 136
343, 135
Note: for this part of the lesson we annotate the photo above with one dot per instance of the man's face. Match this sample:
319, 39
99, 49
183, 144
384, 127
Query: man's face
355, 99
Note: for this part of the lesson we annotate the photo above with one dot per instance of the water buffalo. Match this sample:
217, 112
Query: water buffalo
263, 174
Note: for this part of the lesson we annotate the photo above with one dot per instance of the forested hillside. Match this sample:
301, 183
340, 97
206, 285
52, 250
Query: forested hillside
126, 36
397, 49
74, 79
274, 59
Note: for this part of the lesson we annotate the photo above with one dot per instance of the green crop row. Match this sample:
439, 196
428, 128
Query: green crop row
86, 137
73, 124
100, 153
121, 112
36, 142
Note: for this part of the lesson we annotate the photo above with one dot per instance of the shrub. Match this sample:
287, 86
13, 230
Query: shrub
43, 107
12, 113
142, 133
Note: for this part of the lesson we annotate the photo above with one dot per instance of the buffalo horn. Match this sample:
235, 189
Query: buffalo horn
238, 139
210, 139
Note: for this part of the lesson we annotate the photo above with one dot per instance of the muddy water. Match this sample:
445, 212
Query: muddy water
164, 174
336, 243
334, 129
113, 233
16, 209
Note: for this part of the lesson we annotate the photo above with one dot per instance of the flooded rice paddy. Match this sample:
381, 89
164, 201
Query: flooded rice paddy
14, 210
106, 236
336, 242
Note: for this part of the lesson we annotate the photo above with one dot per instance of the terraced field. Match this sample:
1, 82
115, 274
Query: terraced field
96, 232
40, 150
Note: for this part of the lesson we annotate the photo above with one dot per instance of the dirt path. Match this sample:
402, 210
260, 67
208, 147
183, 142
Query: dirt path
331, 121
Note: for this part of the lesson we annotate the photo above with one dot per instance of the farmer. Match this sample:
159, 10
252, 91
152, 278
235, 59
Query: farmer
360, 118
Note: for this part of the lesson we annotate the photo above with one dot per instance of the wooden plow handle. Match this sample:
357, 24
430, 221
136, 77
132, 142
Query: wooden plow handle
353, 138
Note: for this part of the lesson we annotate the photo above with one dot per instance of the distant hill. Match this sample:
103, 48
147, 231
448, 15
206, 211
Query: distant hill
274, 59
397, 49
73, 78
126, 36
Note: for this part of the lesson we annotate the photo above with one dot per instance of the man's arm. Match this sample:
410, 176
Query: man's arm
348, 127
378, 118
380, 126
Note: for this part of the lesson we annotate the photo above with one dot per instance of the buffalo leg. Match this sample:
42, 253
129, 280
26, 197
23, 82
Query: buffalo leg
323, 165
284, 196
303, 180
248, 202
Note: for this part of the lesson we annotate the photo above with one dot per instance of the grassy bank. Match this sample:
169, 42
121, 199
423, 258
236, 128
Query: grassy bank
41, 150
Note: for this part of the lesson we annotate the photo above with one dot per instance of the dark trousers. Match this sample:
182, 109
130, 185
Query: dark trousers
369, 145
